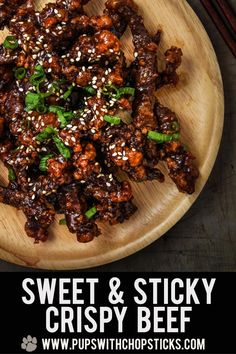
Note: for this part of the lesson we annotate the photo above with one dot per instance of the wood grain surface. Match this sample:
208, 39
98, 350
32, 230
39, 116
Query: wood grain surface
198, 100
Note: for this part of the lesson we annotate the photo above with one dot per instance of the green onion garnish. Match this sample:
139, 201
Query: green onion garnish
43, 162
162, 138
41, 108
112, 119
11, 174
34, 101
20, 73
63, 116
10, 42
60, 113
64, 151
125, 91
56, 109
113, 91
38, 77
110, 90
46, 134
68, 92
62, 222
69, 115
90, 90
62, 119
91, 212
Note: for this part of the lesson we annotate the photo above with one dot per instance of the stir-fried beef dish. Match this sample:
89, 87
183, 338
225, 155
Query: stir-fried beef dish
74, 112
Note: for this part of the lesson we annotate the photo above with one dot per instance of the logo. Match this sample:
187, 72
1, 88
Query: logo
29, 344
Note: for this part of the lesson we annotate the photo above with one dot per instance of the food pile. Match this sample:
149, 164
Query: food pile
73, 113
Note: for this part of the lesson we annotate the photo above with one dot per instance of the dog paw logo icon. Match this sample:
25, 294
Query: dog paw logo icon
29, 344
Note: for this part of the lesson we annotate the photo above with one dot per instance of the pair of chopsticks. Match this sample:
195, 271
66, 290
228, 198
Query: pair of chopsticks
224, 19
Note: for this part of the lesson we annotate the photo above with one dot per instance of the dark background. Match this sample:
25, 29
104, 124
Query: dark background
205, 238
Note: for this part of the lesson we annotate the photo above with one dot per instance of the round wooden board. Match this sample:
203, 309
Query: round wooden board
198, 100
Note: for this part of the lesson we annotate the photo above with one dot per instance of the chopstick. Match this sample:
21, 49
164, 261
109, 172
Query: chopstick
225, 25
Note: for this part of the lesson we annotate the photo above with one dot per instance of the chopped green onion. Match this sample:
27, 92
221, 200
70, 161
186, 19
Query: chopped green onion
62, 222
60, 113
162, 138
45, 94
38, 77
109, 90
64, 151
62, 119
56, 109
46, 134
112, 119
43, 162
41, 108
69, 115
91, 212
63, 116
90, 90
112, 90
125, 91
34, 101
11, 174
20, 73
68, 92
10, 42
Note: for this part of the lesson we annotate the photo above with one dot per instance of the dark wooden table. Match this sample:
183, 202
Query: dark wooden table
205, 239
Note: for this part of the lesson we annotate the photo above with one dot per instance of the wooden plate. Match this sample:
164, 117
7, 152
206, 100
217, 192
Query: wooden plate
198, 100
